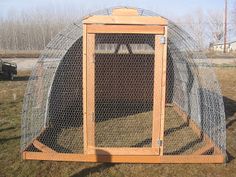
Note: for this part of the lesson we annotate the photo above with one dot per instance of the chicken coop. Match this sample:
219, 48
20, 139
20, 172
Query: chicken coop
123, 85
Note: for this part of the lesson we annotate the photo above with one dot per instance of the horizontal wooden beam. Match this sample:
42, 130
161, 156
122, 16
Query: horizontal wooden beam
124, 159
125, 20
127, 29
123, 151
42, 147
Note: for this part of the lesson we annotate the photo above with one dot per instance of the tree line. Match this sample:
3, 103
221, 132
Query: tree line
33, 30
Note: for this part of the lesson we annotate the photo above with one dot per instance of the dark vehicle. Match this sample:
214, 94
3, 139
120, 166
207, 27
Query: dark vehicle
7, 69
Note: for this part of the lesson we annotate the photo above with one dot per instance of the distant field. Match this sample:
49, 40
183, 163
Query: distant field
36, 54
11, 164
220, 55
19, 53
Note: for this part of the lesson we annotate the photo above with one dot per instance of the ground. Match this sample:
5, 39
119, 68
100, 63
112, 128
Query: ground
11, 164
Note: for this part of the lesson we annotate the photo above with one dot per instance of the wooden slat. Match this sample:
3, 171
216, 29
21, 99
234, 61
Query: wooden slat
125, 12
196, 129
127, 29
42, 147
85, 88
91, 89
123, 151
188, 120
157, 95
125, 20
125, 159
163, 91
204, 149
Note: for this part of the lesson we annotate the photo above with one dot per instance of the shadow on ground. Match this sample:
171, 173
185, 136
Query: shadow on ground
16, 78
21, 78
96, 169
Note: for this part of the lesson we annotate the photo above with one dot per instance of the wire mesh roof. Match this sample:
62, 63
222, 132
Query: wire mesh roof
53, 104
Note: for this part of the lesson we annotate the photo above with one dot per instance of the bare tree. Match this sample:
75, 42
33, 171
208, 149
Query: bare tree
195, 25
215, 25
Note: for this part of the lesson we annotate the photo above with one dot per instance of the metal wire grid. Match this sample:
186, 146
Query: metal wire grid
124, 73
52, 109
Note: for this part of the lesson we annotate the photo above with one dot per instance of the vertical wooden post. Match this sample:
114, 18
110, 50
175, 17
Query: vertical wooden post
85, 88
157, 92
163, 90
91, 90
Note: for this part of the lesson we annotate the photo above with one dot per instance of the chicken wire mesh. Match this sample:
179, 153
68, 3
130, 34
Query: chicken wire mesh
53, 103
124, 73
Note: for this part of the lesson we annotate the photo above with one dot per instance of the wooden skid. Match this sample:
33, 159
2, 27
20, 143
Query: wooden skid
124, 159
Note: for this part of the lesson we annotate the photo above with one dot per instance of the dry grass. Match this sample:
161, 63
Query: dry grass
20, 53
11, 96
211, 54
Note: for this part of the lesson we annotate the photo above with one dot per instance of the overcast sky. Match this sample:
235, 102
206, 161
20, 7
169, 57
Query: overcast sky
164, 7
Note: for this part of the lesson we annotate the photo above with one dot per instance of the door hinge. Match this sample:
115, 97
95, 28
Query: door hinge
163, 40
159, 142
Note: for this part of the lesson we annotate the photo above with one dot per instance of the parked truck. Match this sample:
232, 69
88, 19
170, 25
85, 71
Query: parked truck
8, 69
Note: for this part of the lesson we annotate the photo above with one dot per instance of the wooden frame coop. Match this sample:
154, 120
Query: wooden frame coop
124, 64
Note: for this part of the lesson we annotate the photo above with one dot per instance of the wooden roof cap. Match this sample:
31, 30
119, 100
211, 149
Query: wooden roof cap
124, 12
125, 16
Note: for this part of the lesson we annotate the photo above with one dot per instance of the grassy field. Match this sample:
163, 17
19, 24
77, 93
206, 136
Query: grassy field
11, 96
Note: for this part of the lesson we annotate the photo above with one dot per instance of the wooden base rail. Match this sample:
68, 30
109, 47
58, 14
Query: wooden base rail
124, 159
209, 142
123, 151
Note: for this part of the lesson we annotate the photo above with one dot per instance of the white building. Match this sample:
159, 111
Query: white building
230, 46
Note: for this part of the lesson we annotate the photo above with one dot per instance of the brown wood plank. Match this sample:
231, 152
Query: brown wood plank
123, 151
157, 95
42, 147
125, 12
163, 91
188, 120
85, 88
91, 90
196, 129
125, 20
124, 159
127, 29
204, 149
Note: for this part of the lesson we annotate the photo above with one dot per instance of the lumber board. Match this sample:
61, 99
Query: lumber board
125, 20
196, 129
123, 151
125, 29
124, 159
157, 95
204, 149
163, 91
85, 135
42, 147
125, 12
90, 90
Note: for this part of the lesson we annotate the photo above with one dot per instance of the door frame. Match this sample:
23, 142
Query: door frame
89, 32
